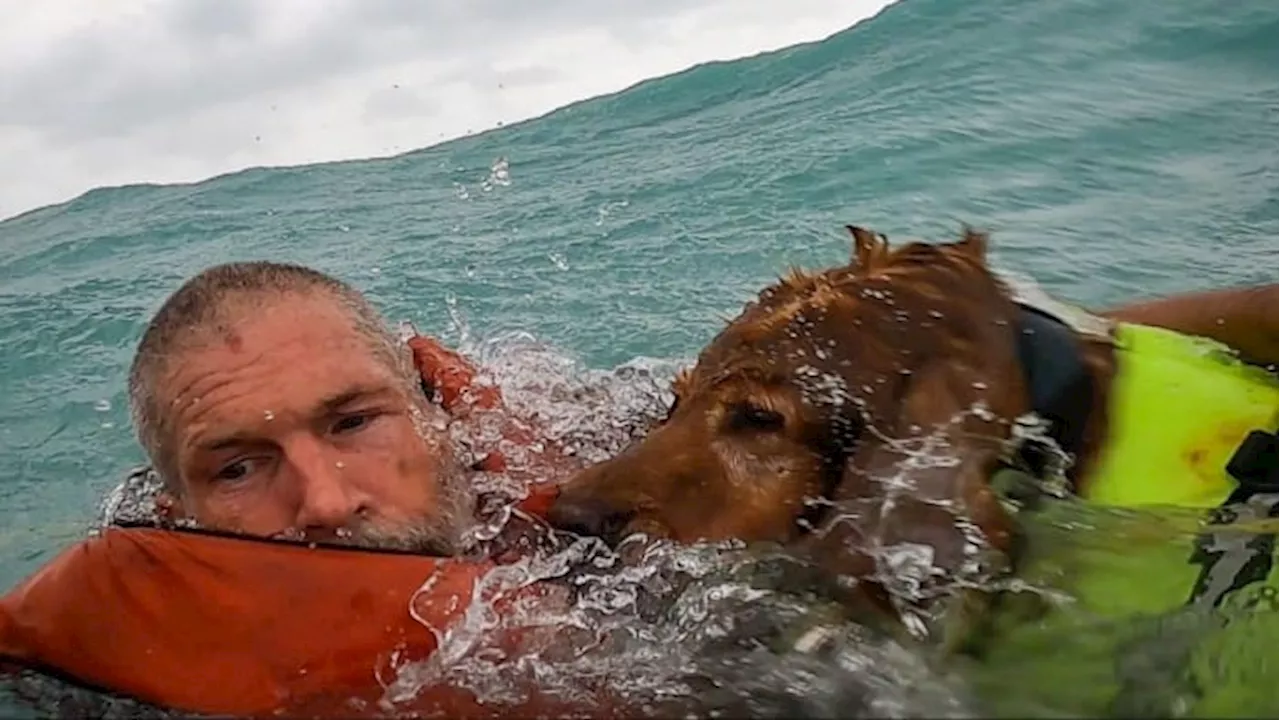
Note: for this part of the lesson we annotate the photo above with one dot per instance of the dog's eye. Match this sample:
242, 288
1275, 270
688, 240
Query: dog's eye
748, 416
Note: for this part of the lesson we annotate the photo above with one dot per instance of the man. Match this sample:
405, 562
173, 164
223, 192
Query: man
281, 413
273, 401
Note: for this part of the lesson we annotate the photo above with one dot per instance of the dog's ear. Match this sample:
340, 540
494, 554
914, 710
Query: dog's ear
974, 244
869, 247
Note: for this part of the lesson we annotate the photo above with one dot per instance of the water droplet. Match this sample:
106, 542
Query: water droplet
268, 415
102, 406
979, 385
339, 464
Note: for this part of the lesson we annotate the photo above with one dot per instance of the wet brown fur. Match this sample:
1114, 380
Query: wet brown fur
820, 389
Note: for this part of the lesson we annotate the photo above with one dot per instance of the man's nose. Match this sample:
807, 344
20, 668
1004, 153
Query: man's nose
327, 499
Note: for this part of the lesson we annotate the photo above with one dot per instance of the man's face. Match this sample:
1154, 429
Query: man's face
284, 421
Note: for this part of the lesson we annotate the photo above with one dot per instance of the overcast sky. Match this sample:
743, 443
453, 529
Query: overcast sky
110, 92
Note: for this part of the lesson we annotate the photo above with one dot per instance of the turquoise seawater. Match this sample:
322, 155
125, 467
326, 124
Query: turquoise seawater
1116, 150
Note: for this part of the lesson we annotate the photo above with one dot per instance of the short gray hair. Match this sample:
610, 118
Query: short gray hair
206, 304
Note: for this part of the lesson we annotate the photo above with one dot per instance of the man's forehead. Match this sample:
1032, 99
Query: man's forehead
298, 347
275, 317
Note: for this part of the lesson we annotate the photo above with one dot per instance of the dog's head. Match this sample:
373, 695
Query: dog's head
884, 386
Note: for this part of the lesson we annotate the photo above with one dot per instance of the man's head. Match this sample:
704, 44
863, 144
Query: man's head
272, 399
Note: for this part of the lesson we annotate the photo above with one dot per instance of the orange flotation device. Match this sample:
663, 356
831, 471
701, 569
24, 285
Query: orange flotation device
212, 624
207, 622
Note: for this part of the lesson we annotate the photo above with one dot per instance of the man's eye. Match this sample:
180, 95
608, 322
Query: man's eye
237, 470
350, 423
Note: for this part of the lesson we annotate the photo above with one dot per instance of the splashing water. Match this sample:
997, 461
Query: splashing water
499, 175
593, 414
132, 501
695, 630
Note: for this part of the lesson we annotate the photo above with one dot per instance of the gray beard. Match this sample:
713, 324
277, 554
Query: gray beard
427, 539
444, 533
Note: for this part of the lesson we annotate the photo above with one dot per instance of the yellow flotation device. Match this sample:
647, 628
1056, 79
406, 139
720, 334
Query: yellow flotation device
1182, 410
1171, 613
1181, 406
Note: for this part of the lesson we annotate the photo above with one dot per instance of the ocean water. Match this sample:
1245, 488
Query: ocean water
1115, 150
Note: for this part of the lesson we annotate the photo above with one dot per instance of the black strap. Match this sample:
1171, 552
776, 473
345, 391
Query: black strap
1059, 384
1231, 559
1254, 466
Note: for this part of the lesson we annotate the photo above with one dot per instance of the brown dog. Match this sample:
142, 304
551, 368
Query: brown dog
862, 406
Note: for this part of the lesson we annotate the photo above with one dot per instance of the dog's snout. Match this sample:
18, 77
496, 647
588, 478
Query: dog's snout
588, 516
